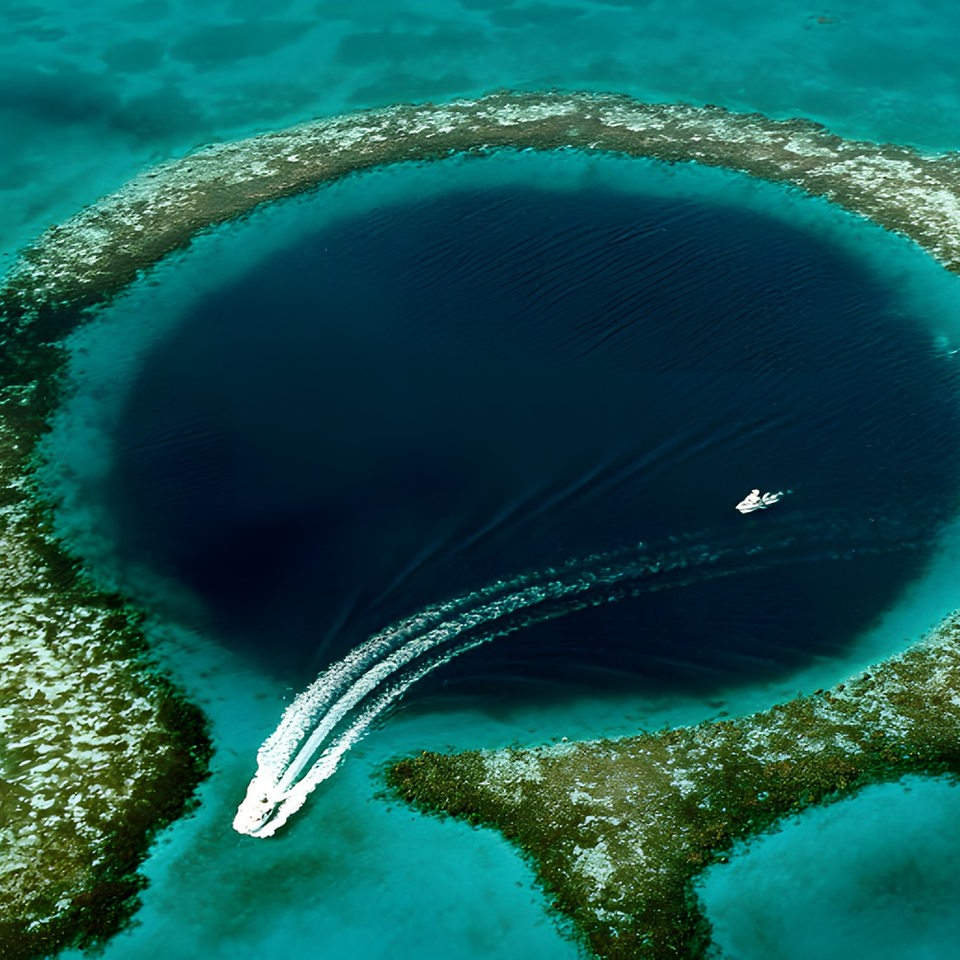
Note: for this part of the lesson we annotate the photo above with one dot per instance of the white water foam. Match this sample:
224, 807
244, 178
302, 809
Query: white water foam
340, 706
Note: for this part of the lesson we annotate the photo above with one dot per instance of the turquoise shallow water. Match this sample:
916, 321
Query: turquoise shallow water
94, 93
769, 903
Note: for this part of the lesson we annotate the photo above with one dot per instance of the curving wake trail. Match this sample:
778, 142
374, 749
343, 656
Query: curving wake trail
323, 722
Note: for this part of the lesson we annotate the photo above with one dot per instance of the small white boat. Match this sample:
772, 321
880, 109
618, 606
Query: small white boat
755, 500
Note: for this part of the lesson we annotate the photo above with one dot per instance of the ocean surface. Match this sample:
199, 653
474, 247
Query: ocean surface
419, 382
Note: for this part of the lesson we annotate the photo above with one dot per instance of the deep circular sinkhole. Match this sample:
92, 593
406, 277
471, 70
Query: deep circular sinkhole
423, 398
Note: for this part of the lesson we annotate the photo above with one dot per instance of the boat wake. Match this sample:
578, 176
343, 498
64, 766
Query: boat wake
321, 724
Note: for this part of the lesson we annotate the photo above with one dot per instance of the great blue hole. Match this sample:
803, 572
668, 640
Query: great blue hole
417, 400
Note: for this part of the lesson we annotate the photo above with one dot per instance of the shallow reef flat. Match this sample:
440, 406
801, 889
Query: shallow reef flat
97, 751
618, 830
102, 248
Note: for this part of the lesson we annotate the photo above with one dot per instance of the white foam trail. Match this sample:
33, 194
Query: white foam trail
336, 710
310, 719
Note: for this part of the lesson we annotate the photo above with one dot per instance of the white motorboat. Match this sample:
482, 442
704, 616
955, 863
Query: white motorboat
755, 500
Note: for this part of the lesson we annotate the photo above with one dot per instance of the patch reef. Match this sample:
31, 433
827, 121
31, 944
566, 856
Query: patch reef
618, 830
96, 751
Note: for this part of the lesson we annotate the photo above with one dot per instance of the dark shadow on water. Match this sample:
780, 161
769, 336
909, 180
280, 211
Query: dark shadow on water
401, 409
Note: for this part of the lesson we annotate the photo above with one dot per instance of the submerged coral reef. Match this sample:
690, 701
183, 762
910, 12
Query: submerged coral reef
96, 751
103, 247
619, 829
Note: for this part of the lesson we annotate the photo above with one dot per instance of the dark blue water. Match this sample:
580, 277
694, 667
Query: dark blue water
415, 402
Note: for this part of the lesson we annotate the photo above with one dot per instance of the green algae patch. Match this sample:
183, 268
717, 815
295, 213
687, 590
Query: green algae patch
618, 830
98, 751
